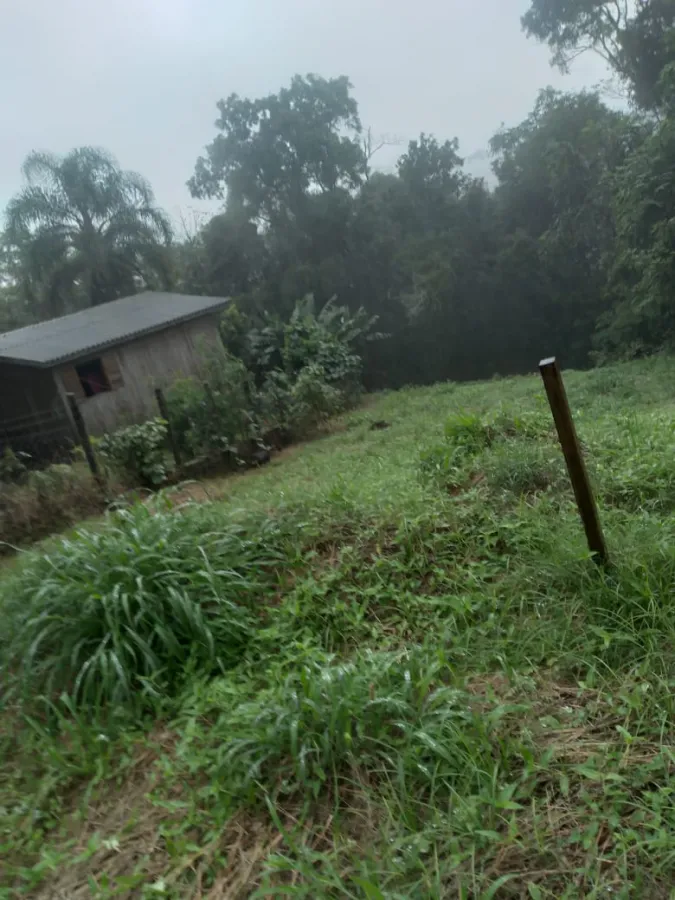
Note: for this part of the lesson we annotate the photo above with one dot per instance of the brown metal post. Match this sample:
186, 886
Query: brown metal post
83, 436
164, 413
562, 416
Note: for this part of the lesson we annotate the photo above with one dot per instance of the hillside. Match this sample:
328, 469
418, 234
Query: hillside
384, 666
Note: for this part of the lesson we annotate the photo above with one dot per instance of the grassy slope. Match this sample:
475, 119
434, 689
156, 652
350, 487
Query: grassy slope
443, 697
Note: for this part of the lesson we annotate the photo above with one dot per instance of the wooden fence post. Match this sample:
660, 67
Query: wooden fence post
164, 413
83, 436
583, 492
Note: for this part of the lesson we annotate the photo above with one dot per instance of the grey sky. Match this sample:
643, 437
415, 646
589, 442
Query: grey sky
141, 77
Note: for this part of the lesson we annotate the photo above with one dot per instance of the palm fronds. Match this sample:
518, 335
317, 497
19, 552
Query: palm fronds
86, 231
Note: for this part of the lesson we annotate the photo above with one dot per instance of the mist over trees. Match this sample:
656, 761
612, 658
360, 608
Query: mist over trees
571, 252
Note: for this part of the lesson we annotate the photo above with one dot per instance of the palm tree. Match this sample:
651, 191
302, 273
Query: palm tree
85, 232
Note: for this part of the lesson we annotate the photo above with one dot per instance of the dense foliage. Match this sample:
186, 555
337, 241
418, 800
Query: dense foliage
136, 452
570, 252
275, 381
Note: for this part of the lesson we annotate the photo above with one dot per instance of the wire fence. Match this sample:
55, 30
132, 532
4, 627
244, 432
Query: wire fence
49, 435
46, 435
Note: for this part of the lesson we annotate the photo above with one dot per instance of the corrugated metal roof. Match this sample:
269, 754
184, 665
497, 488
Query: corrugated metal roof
68, 337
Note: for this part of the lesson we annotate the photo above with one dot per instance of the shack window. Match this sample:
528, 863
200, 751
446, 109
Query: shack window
93, 378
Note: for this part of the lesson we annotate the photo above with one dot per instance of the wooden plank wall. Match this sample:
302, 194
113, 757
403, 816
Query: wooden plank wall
135, 369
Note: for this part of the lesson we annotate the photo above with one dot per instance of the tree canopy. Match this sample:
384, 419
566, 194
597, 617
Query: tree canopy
466, 280
272, 152
570, 251
635, 37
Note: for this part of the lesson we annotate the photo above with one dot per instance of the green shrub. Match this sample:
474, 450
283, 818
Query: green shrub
308, 343
214, 414
286, 377
467, 433
12, 469
275, 402
297, 408
186, 401
314, 400
124, 614
330, 337
137, 452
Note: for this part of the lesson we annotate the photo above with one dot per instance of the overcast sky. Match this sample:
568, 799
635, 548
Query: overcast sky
142, 77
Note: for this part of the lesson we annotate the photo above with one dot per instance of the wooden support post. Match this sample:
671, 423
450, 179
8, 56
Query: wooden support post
83, 436
562, 416
164, 413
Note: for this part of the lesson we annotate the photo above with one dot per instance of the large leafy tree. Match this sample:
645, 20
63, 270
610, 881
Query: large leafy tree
572, 27
643, 273
274, 152
467, 280
647, 48
224, 258
552, 167
84, 232
621, 234
288, 165
430, 166
556, 172
635, 37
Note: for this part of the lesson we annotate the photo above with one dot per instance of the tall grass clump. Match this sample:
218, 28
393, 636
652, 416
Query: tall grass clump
392, 715
519, 468
121, 615
635, 461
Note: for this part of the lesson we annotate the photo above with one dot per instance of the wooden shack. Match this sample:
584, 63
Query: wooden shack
111, 357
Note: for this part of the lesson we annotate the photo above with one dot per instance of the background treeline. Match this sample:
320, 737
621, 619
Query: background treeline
570, 253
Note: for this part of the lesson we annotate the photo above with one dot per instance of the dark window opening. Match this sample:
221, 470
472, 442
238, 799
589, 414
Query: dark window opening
92, 378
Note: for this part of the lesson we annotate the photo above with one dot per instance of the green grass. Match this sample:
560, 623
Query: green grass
384, 666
